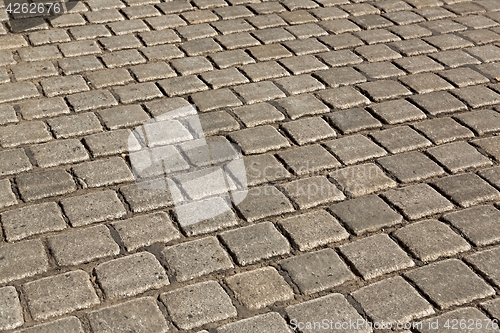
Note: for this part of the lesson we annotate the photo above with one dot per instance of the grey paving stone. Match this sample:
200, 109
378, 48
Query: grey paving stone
260, 288
231, 58
182, 85
256, 242
111, 143
308, 130
198, 47
353, 120
463, 77
224, 77
24, 133
217, 122
138, 92
45, 184
265, 323
392, 300
58, 152
465, 314
123, 116
122, 58
343, 40
486, 262
400, 139
313, 229
74, 125
103, 172
259, 139
147, 195
264, 71
64, 85
450, 282
33, 70
41, 108
59, 294
82, 245
477, 97
398, 111
340, 58
455, 58
39, 53
313, 191
13, 161
299, 84
215, 99
262, 168
384, 89
443, 130
144, 230
343, 98
8, 115
196, 258
481, 122
334, 307
121, 317
448, 42
380, 70
439, 102
258, 114
131, 275
492, 307
458, 156
198, 304
362, 179
308, 160
489, 145
12, 312
487, 53
418, 201
93, 207
378, 52
418, 64
161, 108
425, 83
262, 202
302, 105
491, 175
336, 77
410, 167
354, 148
303, 64
317, 271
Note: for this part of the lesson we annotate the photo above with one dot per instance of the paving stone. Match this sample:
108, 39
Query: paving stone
439, 102
111, 143
138, 92
196, 258
12, 312
33, 70
340, 58
263, 71
467, 189
273, 35
200, 47
7, 197
39, 53
13, 161
58, 152
299, 84
258, 114
45, 184
198, 304
231, 58
89, 32
434, 240
482, 122
313, 191
103, 172
377, 36
303, 64
491, 175
465, 314
455, 58
343, 98
60, 294
7, 115
418, 64
462, 77
93, 207
478, 224
393, 300
298, 106
448, 42
449, 282
486, 263
354, 148
377, 53
308, 130
259, 139
182, 85
63, 85
362, 179
217, 122
418, 201
305, 46
310, 230
458, 156
384, 89
260, 288
104, 16
262, 168
191, 65
398, 111
425, 83
263, 202
353, 120
24, 133
215, 99
478, 96
342, 41
123, 116
109, 77
121, 317
41, 108
82, 245
224, 77
308, 160
152, 71
404, 17
334, 307
411, 166
266, 242
22, 259
443, 130
380, 70
266, 323
400, 139
487, 53
336, 77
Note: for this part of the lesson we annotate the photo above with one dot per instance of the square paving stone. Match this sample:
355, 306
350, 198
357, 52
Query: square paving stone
384, 89
215, 99
446, 321
131, 275
259, 92
482, 122
259, 139
399, 111
354, 148
139, 315
425, 83
258, 114
43, 184
492, 175
299, 84
264, 71
418, 64
362, 179
308, 160
489, 145
103, 172
478, 224
262, 202
313, 229
60, 294
438, 102
334, 307
380, 70
463, 77
308, 130
455, 58
22, 259
487, 263
375, 256
261, 168
343, 98
467, 189
400, 139
256, 242
450, 282
266, 323
365, 214
149, 195
260, 288
198, 304
393, 300
302, 105
353, 120
478, 96
443, 130
313, 191
317, 271
374, 53
448, 42
411, 166
11, 311
14, 161
458, 156
418, 201
430, 239
196, 258
343, 76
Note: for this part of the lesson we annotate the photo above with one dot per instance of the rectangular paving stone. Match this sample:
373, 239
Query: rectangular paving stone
411, 166
450, 282
7, 197
354, 148
443, 130
109, 77
43, 184
215, 99
124, 316
438, 102
362, 179
59, 294
64, 85
400, 139
198, 304
313, 191
148, 195
298, 106
33, 70
259, 92
8, 115
13, 161
458, 156
12, 312
269, 322
418, 201
308, 160
74, 125
399, 111
317, 271
392, 300
131, 275
477, 96
259, 139
58, 152
22, 259
265, 241
313, 229
343, 98
262, 202
353, 120
103, 172
41, 108
92, 100
93, 207
260, 288
486, 262
24, 133
111, 143
18, 91
481, 122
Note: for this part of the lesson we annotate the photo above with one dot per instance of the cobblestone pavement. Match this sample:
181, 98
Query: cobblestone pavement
369, 134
